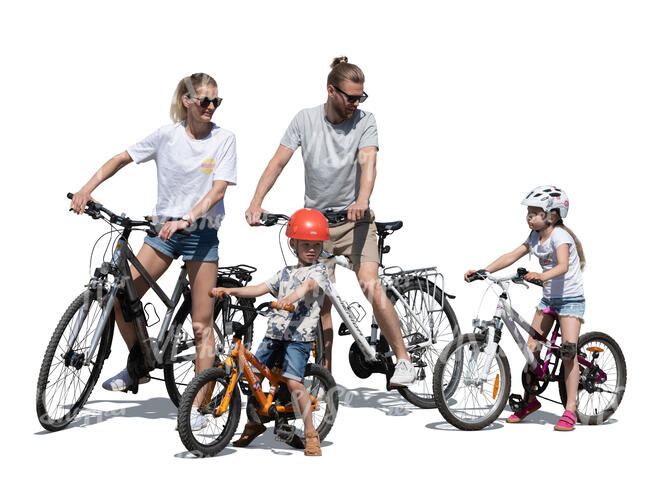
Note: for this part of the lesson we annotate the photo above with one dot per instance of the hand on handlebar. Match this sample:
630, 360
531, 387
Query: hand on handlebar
218, 293
534, 276
253, 214
357, 211
79, 201
474, 275
283, 305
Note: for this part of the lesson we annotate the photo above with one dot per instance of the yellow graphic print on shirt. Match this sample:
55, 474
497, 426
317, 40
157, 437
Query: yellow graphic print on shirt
207, 166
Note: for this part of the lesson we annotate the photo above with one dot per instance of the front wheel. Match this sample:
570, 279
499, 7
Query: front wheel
603, 376
479, 391
67, 378
426, 319
215, 432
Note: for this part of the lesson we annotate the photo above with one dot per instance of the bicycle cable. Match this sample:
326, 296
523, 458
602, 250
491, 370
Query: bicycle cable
92, 252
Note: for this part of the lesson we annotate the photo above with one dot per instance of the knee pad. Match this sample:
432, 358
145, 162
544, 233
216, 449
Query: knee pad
568, 350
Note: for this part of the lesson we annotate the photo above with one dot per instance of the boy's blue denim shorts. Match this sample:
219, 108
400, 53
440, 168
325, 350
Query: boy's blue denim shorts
574, 306
201, 244
291, 356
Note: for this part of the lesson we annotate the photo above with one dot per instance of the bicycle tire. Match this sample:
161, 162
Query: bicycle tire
73, 384
591, 409
218, 432
456, 408
178, 374
430, 298
318, 351
320, 383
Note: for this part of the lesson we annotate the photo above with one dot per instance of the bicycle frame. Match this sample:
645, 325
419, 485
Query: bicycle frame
246, 361
388, 282
119, 267
506, 314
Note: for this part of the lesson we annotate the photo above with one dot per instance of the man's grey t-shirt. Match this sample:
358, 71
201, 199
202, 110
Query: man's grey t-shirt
331, 155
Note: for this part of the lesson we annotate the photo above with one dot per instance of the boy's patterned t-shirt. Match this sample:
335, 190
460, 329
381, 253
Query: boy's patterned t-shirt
302, 323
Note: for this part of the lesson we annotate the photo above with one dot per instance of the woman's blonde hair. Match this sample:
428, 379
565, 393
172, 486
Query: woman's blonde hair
187, 87
560, 224
342, 70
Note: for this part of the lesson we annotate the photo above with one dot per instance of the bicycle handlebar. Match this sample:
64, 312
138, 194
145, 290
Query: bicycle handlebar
268, 219
518, 277
288, 307
94, 210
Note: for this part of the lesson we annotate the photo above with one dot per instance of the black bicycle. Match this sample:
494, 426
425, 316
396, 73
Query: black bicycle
82, 339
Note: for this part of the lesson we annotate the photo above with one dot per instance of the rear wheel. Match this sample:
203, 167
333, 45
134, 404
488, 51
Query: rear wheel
425, 314
66, 378
178, 367
321, 385
603, 376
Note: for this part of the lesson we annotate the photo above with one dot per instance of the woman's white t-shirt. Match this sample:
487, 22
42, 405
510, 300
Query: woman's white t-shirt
187, 168
567, 285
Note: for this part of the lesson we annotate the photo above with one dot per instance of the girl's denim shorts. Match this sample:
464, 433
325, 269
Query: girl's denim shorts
574, 306
201, 244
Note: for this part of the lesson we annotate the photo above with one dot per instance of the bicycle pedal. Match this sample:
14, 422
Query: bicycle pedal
516, 403
245, 388
284, 432
420, 364
343, 330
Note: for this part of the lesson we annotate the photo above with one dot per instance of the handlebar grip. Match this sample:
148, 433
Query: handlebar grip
216, 293
538, 282
477, 276
288, 307
70, 195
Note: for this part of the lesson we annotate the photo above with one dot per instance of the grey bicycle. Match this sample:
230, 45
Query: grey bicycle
82, 339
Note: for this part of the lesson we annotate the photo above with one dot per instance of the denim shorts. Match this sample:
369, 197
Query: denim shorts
574, 306
291, 356
201, 244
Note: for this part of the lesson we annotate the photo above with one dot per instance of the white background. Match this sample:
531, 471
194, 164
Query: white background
476, 103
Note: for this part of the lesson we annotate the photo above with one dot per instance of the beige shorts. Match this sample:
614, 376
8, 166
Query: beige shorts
355, 240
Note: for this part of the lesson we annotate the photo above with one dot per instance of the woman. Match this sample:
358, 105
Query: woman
196, 161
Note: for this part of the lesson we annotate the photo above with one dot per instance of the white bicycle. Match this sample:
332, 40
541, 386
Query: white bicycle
427, 321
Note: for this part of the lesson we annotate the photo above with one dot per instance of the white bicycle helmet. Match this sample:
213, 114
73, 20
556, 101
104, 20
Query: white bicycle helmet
548, 198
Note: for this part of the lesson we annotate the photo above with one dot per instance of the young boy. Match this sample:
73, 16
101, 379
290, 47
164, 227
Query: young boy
292, 334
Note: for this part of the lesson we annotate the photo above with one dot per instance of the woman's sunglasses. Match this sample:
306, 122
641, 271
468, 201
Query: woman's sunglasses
205, 102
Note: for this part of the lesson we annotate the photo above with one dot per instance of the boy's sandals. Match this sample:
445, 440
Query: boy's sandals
312, 443
251, 430
567, 422
530, 408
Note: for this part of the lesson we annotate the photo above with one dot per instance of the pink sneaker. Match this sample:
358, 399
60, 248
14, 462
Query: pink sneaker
567, 422
532, 406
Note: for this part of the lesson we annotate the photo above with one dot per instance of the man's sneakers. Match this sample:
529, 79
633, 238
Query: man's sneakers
122, 381
403, 376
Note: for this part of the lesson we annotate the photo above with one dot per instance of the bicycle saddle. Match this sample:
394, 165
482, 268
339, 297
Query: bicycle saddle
386, 227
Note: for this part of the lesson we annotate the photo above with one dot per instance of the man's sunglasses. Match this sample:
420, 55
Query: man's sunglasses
352, 99
205, 102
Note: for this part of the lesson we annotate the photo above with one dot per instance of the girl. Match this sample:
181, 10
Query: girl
562, 260
195, 161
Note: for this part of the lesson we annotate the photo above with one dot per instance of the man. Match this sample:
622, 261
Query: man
339, 149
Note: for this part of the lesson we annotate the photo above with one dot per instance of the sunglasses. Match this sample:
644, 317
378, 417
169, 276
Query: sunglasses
205, 102
352, 99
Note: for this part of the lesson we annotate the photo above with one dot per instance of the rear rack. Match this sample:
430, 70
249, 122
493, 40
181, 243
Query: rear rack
428, 280
243, 272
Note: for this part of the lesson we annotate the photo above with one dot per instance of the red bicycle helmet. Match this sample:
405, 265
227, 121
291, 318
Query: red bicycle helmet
308, 224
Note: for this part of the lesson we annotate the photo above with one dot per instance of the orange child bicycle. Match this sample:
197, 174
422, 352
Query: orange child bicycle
218, 391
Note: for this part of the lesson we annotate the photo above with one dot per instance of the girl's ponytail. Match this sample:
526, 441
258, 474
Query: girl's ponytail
581, 253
